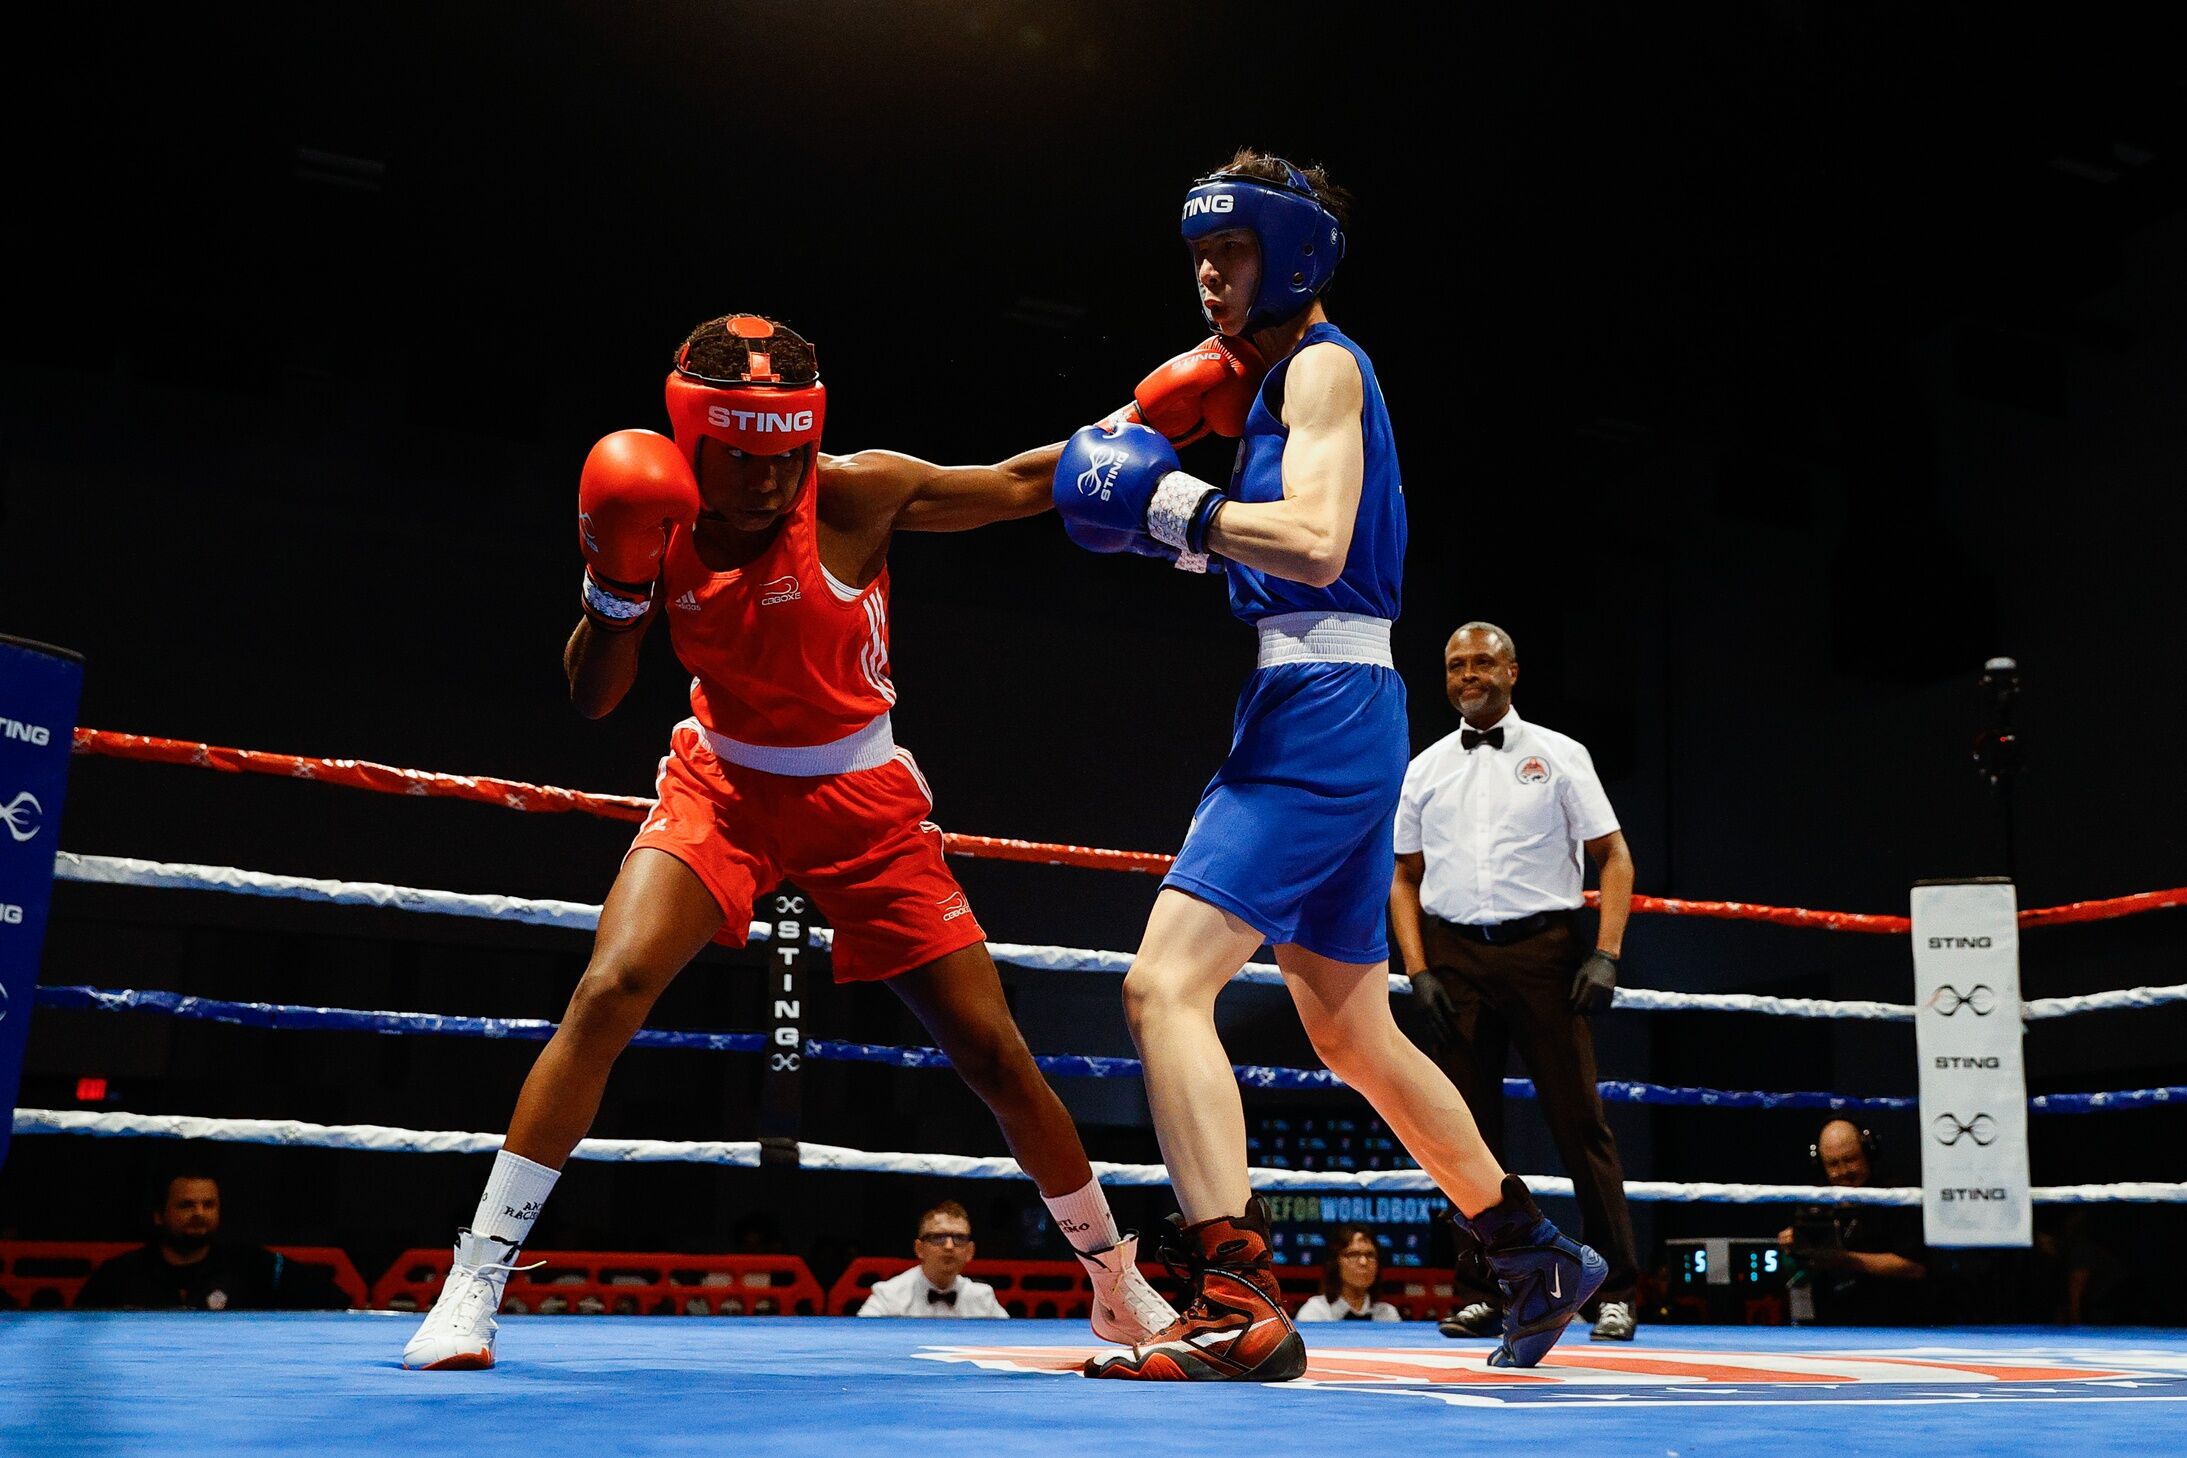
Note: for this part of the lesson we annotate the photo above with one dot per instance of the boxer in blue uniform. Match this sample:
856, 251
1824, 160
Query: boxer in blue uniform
1292, 840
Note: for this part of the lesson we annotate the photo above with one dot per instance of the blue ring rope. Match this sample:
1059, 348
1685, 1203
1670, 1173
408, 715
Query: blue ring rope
289, 1017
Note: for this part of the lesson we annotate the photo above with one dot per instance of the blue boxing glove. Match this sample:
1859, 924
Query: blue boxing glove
1118, 489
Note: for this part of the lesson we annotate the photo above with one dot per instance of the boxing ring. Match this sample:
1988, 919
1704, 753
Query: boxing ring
185, 1385
82, 1383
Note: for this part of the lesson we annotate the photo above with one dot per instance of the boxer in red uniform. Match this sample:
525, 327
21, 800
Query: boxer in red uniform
770, 562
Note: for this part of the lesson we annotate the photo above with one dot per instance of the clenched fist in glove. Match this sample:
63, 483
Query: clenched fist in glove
1207, 390
1118, 489
636, 487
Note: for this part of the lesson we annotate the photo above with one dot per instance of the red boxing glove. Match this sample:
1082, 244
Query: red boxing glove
636, 487
1207, 389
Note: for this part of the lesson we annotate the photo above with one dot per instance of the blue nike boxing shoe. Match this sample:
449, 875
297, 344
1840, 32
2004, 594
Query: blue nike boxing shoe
1545, 1275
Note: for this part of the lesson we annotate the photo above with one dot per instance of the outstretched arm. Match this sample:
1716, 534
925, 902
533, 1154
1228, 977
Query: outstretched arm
1306, 536
919, 496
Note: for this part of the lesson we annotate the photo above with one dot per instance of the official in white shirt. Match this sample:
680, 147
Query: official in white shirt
937, 1286
1492, 826
1348, 1278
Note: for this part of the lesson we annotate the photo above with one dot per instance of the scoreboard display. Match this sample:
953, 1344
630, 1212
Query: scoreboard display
1403, 1224
1729, 1261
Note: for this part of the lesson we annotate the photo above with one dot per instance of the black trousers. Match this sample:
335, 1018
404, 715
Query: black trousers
1520, 994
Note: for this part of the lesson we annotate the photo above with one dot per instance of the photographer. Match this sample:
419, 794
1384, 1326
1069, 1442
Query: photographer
1863, 1264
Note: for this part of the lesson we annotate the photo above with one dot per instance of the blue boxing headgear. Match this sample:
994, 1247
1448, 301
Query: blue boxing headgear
1301, 241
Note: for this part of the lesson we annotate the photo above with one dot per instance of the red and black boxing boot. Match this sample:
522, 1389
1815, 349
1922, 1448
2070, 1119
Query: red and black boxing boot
1544, 1274
1234, 1329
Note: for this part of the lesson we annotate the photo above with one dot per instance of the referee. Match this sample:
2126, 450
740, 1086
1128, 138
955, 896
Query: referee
1486, 913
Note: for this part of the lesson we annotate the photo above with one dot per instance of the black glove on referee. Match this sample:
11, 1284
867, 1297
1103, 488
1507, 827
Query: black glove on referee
1435, 1005
1593, 984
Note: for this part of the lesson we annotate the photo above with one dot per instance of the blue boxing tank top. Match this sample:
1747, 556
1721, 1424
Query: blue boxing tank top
1374, 571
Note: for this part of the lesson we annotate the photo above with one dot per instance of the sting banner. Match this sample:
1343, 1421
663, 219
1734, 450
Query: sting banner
1974, 1099
39, 689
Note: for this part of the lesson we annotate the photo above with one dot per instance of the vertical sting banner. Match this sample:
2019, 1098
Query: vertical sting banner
1974, 1097
39, 690
790, 918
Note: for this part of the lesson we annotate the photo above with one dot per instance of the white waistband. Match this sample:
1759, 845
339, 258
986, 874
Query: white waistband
862, 749
1325, 638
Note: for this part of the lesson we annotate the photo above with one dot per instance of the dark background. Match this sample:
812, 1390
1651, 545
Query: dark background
1762, 367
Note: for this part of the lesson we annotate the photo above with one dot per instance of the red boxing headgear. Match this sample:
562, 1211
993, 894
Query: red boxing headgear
760, 413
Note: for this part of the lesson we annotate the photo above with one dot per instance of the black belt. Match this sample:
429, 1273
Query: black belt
1498, 933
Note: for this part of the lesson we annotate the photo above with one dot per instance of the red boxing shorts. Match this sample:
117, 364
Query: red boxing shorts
859, 844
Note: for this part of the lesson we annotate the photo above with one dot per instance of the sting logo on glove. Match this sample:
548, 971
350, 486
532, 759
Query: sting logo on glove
1099, 477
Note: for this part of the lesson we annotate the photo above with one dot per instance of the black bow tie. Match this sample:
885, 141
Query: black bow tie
1472, 739
941, 1298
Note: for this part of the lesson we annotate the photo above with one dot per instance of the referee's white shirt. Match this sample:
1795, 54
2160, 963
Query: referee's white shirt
1501, 831
905, 1294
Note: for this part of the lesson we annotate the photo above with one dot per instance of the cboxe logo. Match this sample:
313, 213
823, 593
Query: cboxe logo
782, 589
36, 734
761, 422
1221, 202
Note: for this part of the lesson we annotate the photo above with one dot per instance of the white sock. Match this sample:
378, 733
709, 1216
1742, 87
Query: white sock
515, 1191
1083, 1217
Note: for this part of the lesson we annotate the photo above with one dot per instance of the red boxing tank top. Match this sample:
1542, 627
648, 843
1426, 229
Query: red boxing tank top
780, 652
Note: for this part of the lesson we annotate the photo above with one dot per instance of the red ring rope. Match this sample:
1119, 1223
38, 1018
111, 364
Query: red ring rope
517, 795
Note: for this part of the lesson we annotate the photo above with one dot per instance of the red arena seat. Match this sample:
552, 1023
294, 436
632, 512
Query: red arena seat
622, 1283
46, 1274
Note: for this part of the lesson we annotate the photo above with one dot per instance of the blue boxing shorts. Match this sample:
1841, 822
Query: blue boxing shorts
1293, 835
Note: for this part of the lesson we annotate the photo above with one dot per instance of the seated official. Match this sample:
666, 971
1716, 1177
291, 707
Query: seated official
1865, 1264
1348, 1277
937, 1285
187, 1266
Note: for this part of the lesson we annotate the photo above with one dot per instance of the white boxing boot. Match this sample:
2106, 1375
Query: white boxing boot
1126, 1309
458, 1333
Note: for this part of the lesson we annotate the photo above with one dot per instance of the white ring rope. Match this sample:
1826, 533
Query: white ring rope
745, 1153
2114, 1001
1085, 959
125, 871
577, 915
167, 875
1650, 999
